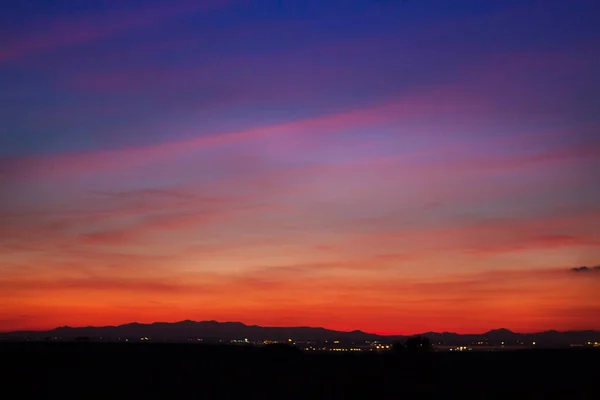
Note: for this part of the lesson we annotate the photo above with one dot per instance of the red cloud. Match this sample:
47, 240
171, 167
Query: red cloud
500, 235
520, 243
459, 302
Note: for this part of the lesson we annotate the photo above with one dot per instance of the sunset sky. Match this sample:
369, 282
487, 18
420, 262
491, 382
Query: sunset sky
391, 166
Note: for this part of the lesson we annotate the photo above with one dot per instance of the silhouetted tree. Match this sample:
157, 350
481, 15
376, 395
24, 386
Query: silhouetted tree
418, 344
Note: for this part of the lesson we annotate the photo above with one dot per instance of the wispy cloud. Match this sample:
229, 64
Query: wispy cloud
104, 284
79, 163
81, 29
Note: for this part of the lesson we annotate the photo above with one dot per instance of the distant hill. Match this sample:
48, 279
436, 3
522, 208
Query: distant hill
207, 330
214, 331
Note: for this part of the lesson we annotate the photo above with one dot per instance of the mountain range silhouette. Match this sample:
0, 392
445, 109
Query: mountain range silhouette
214, 330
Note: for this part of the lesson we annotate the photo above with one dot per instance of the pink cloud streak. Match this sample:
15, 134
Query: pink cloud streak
96, 161
68, 32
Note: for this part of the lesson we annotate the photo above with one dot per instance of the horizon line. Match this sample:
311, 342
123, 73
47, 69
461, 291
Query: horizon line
295, 326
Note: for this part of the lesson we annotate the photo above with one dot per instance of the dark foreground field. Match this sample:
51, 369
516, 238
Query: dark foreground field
88, 370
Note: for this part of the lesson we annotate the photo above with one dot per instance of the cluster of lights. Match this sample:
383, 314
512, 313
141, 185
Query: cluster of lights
352, 349
461, 348
382, 347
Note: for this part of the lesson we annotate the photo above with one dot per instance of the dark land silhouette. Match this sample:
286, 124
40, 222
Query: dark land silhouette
232, 360
215, 332
179, 370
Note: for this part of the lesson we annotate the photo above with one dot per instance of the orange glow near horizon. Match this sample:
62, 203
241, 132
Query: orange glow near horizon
261, 250
396, 172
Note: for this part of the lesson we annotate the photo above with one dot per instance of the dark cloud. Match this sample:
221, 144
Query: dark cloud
586, 269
